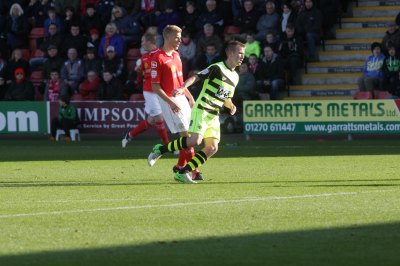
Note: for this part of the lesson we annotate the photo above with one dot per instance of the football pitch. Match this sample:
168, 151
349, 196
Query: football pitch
263, 202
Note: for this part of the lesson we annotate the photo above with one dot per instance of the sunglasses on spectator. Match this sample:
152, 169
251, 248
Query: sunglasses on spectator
19, 74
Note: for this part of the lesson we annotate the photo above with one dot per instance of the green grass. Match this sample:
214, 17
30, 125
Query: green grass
264, 202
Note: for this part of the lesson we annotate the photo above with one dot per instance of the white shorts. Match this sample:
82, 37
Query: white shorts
176, 122
151, 105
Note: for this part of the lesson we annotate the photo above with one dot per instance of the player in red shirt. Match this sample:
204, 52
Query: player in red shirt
166, 75
152, 105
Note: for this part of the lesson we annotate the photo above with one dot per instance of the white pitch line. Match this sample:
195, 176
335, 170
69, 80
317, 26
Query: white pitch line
171, 205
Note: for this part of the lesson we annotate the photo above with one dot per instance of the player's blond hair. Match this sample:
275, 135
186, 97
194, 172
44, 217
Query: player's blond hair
169, 29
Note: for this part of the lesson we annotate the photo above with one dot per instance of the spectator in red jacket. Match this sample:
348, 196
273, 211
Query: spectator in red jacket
90, 86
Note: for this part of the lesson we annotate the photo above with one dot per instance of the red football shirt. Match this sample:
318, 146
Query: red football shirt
167, 70
146, 61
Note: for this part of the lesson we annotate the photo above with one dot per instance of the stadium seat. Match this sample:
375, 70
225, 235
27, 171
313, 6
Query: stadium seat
133, 54
74, 133
363, 95
136, 97
37, 53
35, 34
383, 95
26, 54
36, 78
76, 97
230, 31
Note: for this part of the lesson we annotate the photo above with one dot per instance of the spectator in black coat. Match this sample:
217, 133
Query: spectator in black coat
211, 15
74, 40
291, 50
288, 16
53, 61
92, 20
211, 56
53, 38
21, 89
3, 86
17, 28
330, 13
113, 64
189, 17
273, 73
111, 89
247, 17
308, 24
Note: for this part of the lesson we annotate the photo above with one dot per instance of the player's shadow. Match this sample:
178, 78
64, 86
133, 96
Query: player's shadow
355, 245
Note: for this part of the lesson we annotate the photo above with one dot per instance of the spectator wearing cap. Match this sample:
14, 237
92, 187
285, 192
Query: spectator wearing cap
17, 28
113, 38
74, 40
391, 38
127, 26
371, 80
20, 89
91, 62
111, 88
94, 39
113, 63
91, 20
53, 38
53, 61
72, 72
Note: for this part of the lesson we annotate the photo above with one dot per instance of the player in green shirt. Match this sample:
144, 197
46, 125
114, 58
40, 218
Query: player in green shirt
219, 82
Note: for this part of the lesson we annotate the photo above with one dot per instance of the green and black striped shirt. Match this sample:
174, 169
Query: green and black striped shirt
219, 84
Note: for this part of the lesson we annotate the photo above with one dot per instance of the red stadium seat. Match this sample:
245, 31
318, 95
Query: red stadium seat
363, 95
76, 97
35, 34
383, 95
36, 78
26, 54
37, 53
136, 97
133, 54
230, 32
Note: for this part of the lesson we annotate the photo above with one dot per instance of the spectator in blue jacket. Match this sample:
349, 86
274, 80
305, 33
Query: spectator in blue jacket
127, 26
371, 79
211, 15
168, 17
52, 18
113, 38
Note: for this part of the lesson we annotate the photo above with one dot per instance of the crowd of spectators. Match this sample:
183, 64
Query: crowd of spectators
86, 41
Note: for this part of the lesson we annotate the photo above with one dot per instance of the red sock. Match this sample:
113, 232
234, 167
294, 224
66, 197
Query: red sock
189, 153
162, 132
181, 158
141, 127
